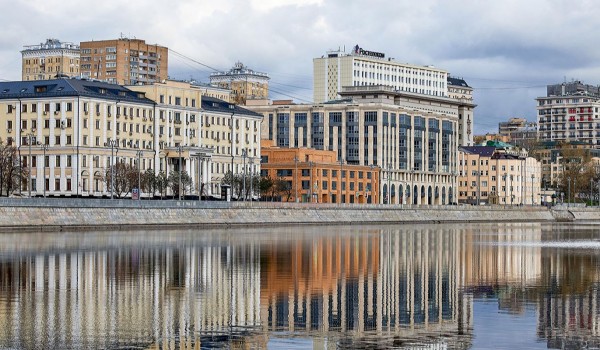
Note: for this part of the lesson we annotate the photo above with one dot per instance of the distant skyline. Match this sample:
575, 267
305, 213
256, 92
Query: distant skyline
508, 51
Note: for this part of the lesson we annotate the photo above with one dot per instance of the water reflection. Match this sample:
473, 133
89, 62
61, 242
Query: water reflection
318, 287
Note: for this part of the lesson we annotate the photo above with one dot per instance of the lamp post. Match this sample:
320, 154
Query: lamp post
44, 148
30, 137
251, 162
112, 144
372, 166
505, 188
389, 189
139, 155
244, 156
512, 196
341, 178
296, 178
532, 188
310, 189
412, 184
179, 149
591, 191
569, 193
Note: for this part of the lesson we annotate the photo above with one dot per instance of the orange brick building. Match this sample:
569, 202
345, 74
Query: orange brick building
316, 176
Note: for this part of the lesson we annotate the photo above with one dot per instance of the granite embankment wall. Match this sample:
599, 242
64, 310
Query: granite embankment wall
77, 214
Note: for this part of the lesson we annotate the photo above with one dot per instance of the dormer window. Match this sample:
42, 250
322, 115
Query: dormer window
4, 91
102, 91
40, 89
122, 93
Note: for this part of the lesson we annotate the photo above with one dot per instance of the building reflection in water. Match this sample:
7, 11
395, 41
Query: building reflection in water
394, 286
338, 286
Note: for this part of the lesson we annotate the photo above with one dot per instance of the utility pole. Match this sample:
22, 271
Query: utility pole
112, 144
44, 148
139, 154
180, 170
296, 178
389, 189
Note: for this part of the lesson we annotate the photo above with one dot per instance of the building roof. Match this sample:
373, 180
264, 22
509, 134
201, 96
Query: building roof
483, 151
457, 82
212, 104
498, 144
69, 87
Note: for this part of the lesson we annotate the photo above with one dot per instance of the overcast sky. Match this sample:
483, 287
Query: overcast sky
507, 50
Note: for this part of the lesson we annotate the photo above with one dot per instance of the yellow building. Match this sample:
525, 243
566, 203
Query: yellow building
488, 175
316, 176
124, 61
245, 83
49, 60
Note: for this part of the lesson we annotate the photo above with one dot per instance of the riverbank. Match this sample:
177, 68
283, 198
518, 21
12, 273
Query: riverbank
81, 214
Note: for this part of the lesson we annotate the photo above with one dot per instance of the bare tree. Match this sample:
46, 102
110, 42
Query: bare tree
126, 178
11, 171
174, 180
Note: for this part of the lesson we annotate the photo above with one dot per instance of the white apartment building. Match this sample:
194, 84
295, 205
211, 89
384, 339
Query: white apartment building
569, 112
360, 67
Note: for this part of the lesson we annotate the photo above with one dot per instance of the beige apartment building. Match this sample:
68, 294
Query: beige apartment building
411, 137
244, 83
49, 60
490, 175
338, 69
202, 125
124, 61
79, 128
63, 129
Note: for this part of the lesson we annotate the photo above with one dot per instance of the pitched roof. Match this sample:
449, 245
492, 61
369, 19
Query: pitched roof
217, 105
457, 82
483, 151
69, 87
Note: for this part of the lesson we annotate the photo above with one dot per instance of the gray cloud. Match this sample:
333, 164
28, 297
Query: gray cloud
508, 49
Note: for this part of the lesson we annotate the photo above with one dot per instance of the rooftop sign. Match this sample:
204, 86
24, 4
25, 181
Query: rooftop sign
359, 51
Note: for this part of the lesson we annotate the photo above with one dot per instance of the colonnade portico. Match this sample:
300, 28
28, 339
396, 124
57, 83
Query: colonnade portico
419, 188
196, 163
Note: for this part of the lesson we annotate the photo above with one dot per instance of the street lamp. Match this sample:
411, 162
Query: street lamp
44, 148
389, 189
505, 178
112, 144
532, 188
569, 193
512, 196
244, 156
251, 162
296, 178
372, 166
179, 149
30, 137
310, 189
341, 177
139, 155
412, 192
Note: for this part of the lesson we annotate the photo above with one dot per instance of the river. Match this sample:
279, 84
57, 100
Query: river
467, 286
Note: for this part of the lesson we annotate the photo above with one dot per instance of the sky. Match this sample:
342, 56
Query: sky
508, 50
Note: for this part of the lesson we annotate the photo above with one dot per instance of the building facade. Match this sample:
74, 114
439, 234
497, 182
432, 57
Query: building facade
49, 60
316, 176
569, 112
72, 131
459, 90
489, 175
338, 69
411, 137
203, 126
124, 61
244, 83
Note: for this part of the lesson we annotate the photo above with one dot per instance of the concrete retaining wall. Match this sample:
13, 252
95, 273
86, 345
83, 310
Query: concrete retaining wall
48, 218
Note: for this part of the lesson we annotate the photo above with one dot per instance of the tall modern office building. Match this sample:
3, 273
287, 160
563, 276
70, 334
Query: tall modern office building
412, 137
244, 83
124, 61
49, 60
569, 112
337, 69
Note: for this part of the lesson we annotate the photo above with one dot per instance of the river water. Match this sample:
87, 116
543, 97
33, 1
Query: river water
479, 286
